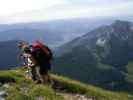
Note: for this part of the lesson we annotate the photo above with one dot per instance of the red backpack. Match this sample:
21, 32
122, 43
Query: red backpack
39, 46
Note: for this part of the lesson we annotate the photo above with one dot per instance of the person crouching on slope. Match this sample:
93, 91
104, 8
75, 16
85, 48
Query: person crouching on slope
29, 60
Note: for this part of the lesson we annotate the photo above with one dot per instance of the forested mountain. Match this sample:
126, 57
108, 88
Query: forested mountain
99, 57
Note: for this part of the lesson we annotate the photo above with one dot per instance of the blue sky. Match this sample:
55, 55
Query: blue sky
12, 11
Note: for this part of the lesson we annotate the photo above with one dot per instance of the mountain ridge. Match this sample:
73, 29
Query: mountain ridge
105, 51
54, 33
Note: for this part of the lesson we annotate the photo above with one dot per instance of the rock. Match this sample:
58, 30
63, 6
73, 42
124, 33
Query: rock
39, 98
3, 94
24, 89
68, 96
77, 97
6, 85
2, 98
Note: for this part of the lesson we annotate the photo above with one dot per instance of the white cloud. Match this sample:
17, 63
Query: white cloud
8, 7
37, 10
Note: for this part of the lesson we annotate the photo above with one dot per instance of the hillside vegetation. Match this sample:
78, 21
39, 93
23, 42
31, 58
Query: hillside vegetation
101, 57
18, 87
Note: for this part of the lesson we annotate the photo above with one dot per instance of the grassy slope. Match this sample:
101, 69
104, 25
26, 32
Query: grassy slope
130, 72
17, 89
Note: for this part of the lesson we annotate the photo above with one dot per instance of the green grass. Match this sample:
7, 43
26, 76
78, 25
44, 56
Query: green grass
98, 93
130, 72
25, 89
130, 68
15, 93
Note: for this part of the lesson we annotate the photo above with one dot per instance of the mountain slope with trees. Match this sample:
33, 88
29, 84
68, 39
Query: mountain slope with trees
99, 57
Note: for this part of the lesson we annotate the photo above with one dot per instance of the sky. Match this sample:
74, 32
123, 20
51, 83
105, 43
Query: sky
13, 11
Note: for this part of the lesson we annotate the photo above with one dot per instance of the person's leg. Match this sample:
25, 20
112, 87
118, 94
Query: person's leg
47, 72
33, 71
38, 76
45, 76
49, 77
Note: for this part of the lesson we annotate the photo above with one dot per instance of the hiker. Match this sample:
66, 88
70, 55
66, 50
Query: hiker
29, 60
43, 57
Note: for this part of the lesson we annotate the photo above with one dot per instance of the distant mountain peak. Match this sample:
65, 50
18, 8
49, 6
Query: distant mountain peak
119, 24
